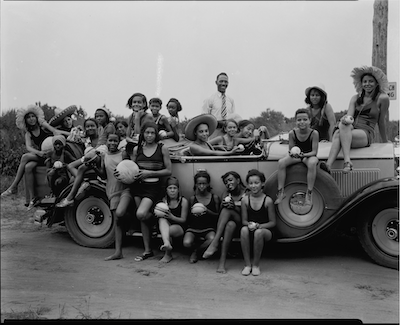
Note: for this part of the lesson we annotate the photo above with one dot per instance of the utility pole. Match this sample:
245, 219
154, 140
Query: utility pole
379, 42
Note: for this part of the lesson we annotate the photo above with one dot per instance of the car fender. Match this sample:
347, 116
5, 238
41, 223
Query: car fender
360, 200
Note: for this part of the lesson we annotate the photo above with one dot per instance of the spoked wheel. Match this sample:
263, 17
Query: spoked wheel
90, 222
379, 235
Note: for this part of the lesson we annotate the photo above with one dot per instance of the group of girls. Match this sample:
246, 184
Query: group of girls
248, 212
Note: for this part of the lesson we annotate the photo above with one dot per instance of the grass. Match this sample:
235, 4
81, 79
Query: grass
27, 314
6, 182
40, 312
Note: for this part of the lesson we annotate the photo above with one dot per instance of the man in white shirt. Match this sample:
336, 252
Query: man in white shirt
219, 104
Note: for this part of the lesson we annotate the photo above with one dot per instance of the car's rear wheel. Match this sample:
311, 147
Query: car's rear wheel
90, 222
378, 231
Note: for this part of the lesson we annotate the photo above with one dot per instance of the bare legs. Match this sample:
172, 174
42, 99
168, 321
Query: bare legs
260, 237
167, 233
228, 234
118, 214
344, 139
189, 241
224, 217
310, 162
26, 166
144, 215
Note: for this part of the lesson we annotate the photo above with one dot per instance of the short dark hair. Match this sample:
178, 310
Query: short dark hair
234, 174
116, 134
178, 104
155, 100
303, 111
202, 173
123, 122
221, 74
255, 172
149, 124
129, 103
244, 123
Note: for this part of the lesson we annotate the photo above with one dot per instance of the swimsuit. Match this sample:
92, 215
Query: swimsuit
204, 223
320, 124
305, 146
366, 117
259, 216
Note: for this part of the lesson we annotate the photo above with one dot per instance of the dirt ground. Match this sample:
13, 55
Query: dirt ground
45, 275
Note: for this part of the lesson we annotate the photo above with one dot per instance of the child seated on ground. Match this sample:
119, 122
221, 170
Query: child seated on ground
201, 225
57, 172
258, 218
305, 138
173, 223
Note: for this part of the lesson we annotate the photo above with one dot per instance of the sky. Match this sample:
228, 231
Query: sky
95, 53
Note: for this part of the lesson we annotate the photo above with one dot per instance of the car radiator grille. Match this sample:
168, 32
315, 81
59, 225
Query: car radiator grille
349, 183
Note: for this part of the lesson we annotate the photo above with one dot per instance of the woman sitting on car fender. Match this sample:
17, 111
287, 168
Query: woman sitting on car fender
368, 107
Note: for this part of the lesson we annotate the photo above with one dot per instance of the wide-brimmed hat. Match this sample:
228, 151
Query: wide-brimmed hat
379, 75
319, 87
21, 113
60, 115
208, 119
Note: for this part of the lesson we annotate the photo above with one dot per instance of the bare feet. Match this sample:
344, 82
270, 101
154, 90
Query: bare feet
115, 256
166, 247
166, 259
211, 250
221, 269
193, 258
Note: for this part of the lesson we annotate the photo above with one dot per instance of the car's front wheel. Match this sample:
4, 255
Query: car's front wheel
90, 222
378, 232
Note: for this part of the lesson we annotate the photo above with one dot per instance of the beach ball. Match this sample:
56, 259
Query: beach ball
47, 144
160, 209
127, 170
198, 208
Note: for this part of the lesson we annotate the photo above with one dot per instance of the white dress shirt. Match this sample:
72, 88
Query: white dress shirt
213, 105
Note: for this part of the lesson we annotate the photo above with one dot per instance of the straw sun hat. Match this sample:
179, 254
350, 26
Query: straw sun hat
319, 87
22, 112
60, 115
208, 119
378, 74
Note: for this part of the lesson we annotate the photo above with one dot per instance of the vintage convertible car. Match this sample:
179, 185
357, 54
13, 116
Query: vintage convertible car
365, 199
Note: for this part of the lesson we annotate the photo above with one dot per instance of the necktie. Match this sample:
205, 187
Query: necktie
223, 109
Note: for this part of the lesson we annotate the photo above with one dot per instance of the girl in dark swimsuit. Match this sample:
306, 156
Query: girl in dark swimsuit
31, 120
203, 225
229, 218
172, 225
258, 218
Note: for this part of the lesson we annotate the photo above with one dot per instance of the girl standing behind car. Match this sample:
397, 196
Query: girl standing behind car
322, 117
